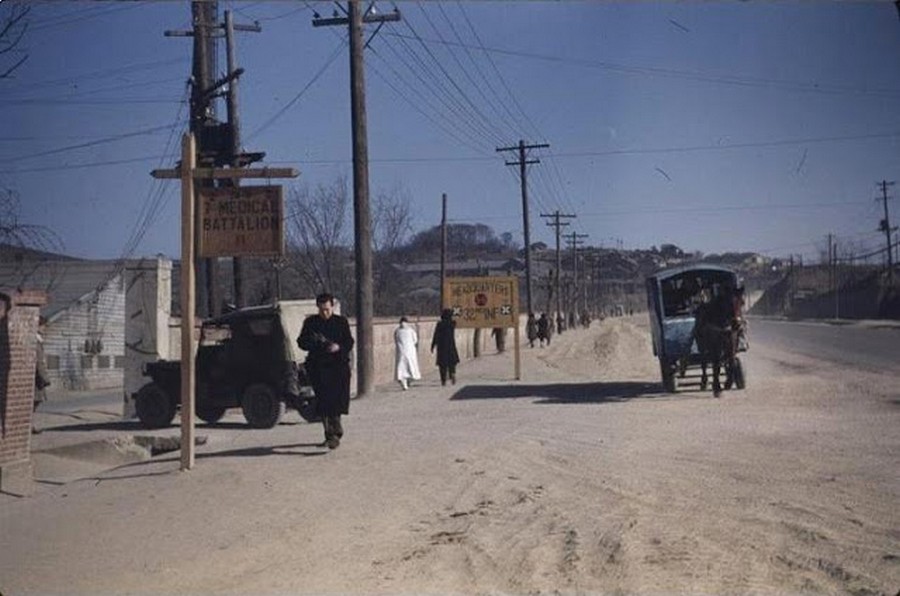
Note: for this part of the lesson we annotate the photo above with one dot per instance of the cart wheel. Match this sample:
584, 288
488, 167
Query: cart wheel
262, 407
155, 408
738, 374
670, 384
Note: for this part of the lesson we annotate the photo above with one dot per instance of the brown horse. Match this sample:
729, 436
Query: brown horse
716, 335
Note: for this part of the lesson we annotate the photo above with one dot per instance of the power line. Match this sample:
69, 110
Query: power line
84, 102
274, 117
447, 129
71, 18
729, 146
105, 73
102, 141
800, 86
80, 166
82, 92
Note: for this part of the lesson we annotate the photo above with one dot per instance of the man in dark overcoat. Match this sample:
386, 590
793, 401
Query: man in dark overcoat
445, 341
41, 378
327, 340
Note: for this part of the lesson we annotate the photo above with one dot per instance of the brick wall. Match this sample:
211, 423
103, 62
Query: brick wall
18, 326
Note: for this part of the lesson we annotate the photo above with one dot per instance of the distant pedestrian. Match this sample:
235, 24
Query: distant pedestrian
445, 341
406, 343
326, 337
543, 325
531, 329
41, 378
499, 334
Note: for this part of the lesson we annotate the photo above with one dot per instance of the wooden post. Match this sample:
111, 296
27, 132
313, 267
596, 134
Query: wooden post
443, 249
188, 300
518, 355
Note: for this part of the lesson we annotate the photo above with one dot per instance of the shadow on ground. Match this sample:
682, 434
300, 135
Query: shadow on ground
566, 393
134, 425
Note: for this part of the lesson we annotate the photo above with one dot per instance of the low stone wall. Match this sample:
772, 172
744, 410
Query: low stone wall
424, 326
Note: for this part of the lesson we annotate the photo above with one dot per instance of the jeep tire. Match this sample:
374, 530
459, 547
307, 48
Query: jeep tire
261, 406
155, 409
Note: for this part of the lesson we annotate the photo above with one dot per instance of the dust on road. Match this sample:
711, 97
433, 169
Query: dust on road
582, 477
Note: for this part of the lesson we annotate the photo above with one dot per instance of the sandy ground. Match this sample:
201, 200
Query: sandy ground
580, 478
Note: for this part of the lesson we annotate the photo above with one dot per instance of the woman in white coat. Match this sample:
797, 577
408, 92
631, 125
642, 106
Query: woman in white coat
406, 342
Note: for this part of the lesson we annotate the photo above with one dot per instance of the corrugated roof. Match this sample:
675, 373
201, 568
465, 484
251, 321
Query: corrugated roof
65, 281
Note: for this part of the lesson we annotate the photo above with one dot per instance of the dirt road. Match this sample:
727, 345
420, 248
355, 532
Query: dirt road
581, 478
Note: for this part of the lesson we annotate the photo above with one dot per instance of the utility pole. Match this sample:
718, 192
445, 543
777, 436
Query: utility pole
362, 229
234, 73
576, 240
203, 120
522, 148
837, 283
885, 226
557, 225
831, 261
443, 248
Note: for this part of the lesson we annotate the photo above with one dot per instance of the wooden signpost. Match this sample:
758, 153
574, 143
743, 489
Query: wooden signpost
486, 303
238, 221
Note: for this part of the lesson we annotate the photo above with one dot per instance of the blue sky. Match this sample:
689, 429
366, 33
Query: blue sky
716, 126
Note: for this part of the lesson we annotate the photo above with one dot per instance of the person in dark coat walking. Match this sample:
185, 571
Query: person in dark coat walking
41, 378
326, 337
531, 329
543, 326
445, 341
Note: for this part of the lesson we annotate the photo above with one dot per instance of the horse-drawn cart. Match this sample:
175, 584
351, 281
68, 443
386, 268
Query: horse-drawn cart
673, 299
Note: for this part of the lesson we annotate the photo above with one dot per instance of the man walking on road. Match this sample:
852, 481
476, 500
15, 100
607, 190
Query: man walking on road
445, 341
326, 337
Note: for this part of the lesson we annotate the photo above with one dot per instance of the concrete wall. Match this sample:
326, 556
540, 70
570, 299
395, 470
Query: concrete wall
148, 305
19, 313
84, 343
151, 333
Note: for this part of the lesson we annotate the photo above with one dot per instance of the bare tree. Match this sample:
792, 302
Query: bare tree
391, 219
319, 238
12, 29
391, 226
320, 244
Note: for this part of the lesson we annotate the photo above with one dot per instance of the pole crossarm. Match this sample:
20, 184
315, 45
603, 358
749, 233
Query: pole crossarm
254, 28
209, 93
516, 147
369, 18
522, 148
230, 173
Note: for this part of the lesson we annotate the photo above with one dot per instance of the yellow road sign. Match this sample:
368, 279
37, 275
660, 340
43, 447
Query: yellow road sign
483, 301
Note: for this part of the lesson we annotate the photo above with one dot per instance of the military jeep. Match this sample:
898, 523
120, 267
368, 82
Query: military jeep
245, 359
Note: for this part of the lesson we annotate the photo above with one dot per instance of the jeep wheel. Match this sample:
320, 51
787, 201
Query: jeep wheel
262, 407
155, 408
210, 413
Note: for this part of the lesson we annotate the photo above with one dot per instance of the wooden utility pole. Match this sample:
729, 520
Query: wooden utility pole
362, 229
202, 119
188, 300
557, 225
234, 124
189, 174
443, 248
522, 148
576, 240
885, 227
